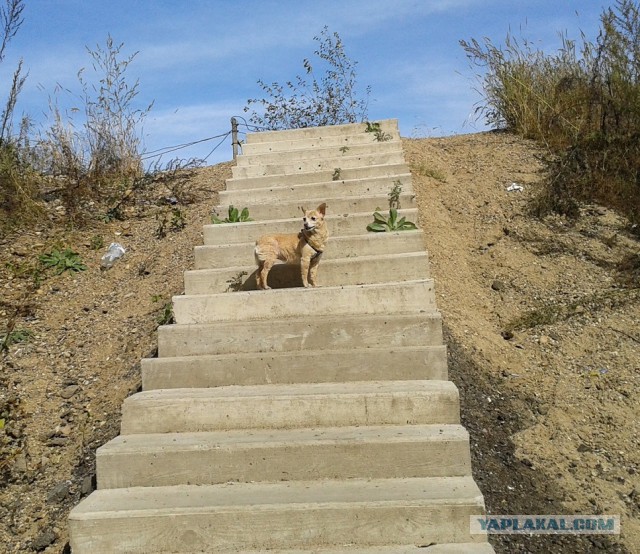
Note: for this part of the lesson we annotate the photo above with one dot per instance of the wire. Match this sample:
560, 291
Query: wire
167, 149
162, 151
216, 146
250, 126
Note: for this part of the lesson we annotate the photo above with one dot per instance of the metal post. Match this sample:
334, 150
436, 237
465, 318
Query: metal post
234, 137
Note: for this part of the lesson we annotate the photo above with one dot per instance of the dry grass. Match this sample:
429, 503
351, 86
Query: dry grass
582, 103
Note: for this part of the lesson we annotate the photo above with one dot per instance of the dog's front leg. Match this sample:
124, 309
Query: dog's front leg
313, 270
304, 270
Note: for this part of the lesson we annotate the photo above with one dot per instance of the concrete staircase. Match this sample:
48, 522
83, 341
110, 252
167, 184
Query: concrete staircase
295, 420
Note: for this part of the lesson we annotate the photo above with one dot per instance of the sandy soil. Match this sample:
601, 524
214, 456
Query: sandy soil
543, 334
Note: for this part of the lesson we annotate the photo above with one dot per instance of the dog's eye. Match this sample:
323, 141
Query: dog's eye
313, 219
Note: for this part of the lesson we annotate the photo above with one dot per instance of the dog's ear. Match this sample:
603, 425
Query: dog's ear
322, 208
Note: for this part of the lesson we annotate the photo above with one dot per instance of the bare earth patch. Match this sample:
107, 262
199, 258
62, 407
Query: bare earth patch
543, 337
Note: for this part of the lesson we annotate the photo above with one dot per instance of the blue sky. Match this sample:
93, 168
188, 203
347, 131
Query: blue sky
199, 60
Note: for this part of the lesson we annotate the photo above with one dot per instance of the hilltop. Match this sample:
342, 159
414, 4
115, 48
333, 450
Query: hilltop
541, 325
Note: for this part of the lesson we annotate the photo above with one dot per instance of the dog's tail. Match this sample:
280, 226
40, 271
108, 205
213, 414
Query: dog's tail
257, 254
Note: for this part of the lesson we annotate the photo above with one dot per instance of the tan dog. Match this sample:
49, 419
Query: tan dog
306, 247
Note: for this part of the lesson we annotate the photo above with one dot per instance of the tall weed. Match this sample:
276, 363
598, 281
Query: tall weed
18, 182
97, 146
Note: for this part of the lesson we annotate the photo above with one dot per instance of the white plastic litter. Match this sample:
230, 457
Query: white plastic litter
114, 252
515, 187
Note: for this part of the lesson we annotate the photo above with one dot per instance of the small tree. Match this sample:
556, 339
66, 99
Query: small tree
309, 101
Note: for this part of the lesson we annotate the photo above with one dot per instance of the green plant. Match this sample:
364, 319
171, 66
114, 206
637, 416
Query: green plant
344, 149
113, 214
629, 270
330, 100
394, 195
427, 171
234, 216
166, 314
178, 220
62, 260
30, 269
381, 136
169, 220
336, 174
96, 242
14, 337
235, 282
392, 223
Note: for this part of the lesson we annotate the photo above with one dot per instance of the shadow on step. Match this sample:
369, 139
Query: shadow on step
510, 486
281, 276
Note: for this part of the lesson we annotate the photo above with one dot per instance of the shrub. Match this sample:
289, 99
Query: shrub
310, 101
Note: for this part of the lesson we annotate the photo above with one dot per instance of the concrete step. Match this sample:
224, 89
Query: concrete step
334, 152
336, 141
300, 405
340, 162
345, 130
374, 452
378, 170
376, 186
450, 548
338, 225
380, 298
339, 204
254, 516
301, 334
306, 366
224, 256
333, 272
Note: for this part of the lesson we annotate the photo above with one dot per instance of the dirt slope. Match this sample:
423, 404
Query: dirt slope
552, 411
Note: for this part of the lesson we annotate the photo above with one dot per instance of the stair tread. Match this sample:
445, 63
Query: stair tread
381, 197
321, 290
271, 391
448, 548
187, 441
319, 151
341, 129
176, 499
418, 254
372, 172
403, 211
337, 184
297, 354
